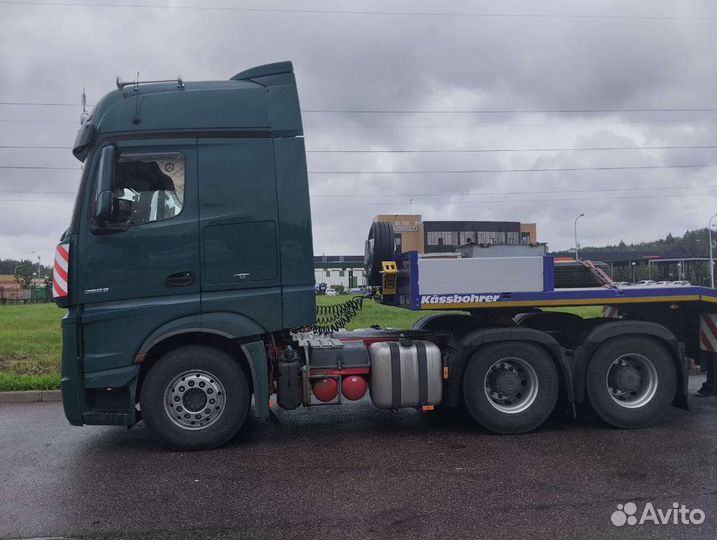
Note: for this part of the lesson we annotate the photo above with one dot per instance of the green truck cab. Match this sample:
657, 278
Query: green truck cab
187, 274
191, 225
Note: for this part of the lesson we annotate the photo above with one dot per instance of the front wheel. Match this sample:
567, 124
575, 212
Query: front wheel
510, 387
195, 397
631, 381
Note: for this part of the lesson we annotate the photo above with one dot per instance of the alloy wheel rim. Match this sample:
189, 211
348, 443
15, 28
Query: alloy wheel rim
194, 399
631, 380
511, 385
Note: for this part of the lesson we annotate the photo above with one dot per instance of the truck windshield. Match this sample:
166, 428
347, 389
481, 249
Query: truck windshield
84, 139
84, 183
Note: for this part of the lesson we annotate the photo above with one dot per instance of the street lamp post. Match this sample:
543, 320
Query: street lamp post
577, 245
712, 262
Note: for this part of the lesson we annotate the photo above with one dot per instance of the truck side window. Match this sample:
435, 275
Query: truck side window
147, 187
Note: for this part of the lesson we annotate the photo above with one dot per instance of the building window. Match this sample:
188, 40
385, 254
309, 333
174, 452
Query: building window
341, 273
513, 237
468, 237
328, 273
442, 238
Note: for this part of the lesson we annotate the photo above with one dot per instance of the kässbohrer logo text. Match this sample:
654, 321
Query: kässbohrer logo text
458, 298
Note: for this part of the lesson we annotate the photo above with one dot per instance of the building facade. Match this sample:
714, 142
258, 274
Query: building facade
414, 234
346, 271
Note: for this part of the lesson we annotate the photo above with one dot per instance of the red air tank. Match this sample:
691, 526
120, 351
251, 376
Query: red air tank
326, 389
354, 387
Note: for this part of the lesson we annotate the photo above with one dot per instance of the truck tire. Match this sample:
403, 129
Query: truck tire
380, 246
510, 387
195, 397
630, 381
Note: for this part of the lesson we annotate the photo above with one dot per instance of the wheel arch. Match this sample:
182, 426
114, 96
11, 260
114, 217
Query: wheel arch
443, 321
609, 330
235, 334
474, 340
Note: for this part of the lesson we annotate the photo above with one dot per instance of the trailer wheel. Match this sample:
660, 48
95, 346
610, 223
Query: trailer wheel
630, 381
510, 387
195, 397
380, 246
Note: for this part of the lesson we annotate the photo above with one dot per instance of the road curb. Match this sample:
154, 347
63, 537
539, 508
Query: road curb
30, 396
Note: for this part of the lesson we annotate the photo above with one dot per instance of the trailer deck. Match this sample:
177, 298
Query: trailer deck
564, 297
411, 295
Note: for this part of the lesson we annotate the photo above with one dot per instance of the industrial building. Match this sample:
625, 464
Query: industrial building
414, 234
346, 271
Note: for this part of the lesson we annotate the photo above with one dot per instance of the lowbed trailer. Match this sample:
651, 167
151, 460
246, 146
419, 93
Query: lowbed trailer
187, 272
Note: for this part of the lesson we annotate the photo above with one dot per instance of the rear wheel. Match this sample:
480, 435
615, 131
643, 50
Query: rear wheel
195, 397
510, 387
631, 381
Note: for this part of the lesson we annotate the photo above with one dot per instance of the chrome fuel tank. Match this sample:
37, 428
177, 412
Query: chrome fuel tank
405, 374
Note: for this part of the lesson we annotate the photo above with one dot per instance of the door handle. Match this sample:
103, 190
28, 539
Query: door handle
180, 279
242, 275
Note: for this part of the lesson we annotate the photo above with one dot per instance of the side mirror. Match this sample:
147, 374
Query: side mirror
103, 206
103, 201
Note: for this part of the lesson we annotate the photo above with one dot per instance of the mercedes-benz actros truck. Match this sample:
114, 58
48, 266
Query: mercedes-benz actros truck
187, 274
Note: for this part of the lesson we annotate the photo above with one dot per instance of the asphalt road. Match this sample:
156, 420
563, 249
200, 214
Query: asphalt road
355, 472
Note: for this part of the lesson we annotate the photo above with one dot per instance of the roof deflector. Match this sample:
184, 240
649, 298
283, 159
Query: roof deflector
276, 68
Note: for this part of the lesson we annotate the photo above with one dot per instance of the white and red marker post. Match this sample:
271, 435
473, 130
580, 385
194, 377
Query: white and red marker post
61, 271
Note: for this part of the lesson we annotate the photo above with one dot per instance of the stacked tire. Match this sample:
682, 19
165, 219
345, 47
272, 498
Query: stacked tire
380, 246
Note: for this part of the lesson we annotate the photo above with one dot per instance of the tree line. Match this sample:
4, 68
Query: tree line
691, 244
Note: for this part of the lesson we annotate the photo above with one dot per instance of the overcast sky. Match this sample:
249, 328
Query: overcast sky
484, 55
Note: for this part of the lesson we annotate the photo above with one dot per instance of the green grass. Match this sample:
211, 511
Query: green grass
375, 313
31, 344
586, 312
393, 317
30, 347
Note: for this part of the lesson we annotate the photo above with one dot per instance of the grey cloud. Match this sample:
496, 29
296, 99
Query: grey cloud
395, 62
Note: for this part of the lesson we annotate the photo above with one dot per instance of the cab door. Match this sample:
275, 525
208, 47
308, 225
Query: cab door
239, 230
133, 281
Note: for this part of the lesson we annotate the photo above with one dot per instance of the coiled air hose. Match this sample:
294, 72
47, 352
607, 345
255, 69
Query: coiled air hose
335, 317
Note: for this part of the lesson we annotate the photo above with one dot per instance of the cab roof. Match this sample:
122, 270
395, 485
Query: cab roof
262, 100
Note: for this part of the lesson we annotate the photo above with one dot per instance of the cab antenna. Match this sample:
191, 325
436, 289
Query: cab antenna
84, 115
